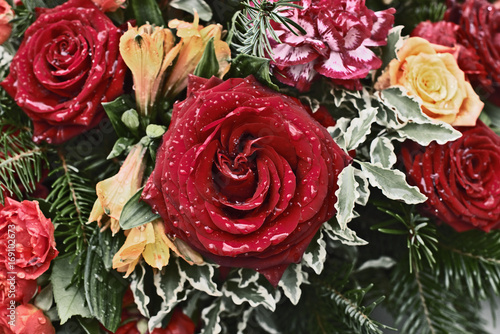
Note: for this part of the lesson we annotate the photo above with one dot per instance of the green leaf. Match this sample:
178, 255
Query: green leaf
252, 291
147, 11
137, 287
346, 196
104, 288
315, 255
115, 110
392, 183
154, 131
208, 65
382, 152
90, 326
244, 65
211, 317
70, 299
362, 187
200, 277
290, 282
345, 236
120, 146
424, 134
131, 120
359, 128
407, 107
394, 43
136, 212
190, 6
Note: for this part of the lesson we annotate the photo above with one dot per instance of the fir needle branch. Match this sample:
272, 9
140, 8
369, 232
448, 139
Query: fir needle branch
70, 185
423, 300
471, 255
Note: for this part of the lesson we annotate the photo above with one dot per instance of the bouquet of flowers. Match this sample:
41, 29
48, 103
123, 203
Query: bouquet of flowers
215, 166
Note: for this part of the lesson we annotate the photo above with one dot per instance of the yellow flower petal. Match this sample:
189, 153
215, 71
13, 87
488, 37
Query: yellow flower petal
157, 254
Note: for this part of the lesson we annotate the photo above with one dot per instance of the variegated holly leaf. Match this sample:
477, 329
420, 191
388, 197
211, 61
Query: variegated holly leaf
346, 196
255, 293
290, 282
200, 277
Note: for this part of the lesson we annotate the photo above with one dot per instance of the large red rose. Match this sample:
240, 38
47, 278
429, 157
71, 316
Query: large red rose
461, 178
339, 34
27, 242
245, 175
30, 319
67, 64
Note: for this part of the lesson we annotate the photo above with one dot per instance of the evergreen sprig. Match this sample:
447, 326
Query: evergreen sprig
422, 305
72, 198
21, 161
252, 29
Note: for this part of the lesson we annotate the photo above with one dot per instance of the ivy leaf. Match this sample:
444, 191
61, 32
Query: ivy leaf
190, 6
104, 287
244, 65
290, 282
141, 298
392, 183
147, 11
346, 196
382, 152
136, 212
208, 65
359, 128
200, 277
70, 299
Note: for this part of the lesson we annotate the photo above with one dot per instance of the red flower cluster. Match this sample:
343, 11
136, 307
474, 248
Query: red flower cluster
461, 179
339, 34
245, 175
67, 64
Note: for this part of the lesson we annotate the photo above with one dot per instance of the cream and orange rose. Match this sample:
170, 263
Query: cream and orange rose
430, 72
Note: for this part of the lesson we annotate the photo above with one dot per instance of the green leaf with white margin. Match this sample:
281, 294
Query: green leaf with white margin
338, 132
346, 196
359, 128
243, 323
345, 236
408, 108
141, 299
315, 255
255, 293
394, 43
382, 152
392, 183
200, 277
362, 187
424, 134
211, 317
192, 6
290, 282
70, 300
267, 320
170, 287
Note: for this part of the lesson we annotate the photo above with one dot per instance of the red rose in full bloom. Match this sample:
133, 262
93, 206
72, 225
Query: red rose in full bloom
479, 23
447, 34
67, 64
339, 34
245, 175
30, 319
29, 236
461, 178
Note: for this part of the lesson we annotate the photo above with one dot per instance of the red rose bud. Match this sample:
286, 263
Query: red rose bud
67, 64
339, 34
245, 175
30, 320
461, 178
27, 243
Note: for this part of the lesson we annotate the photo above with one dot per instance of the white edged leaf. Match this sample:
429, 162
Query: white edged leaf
266, 320
424, 134
394, 43
70, 300
362, 187
243, 323
338, 131
407, 108
200, 277
290, 282
315, 255
383, 262
345, 236
211, 317
382, 152
359, 128
341, 96
392, 183
170, 287
192, 6
141, 298
346, 196
254, 293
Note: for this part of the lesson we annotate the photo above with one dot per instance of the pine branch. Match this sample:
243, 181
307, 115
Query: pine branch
21, 161
72, 198
423, 306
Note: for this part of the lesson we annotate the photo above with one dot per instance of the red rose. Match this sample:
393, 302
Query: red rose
6, 14
461, 178
336, 45
447, 34
245, 175
179, 324
30, 319
67, 64
480, 30
27, 242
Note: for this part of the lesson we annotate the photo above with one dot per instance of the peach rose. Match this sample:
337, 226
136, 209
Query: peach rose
6, 14
430, 73
109, 5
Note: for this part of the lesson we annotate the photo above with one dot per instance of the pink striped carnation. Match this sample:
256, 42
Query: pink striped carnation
339, 34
